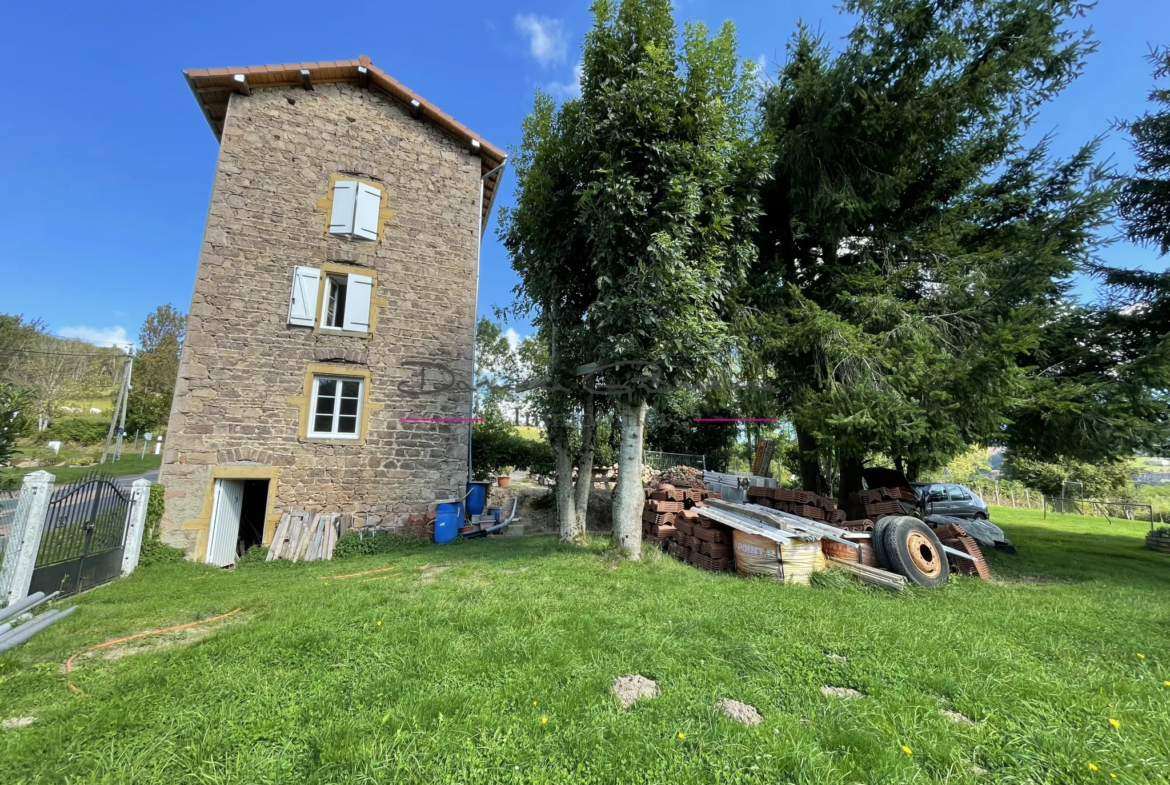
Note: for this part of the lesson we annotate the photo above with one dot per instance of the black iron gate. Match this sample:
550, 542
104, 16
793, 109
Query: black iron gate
84, 536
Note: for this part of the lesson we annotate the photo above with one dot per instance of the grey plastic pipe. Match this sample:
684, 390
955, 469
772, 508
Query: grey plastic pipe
12, 631
26, 631
26, 604
498, 526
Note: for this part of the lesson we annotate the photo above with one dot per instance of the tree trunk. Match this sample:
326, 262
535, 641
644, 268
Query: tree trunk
585, 469
627, 496
850, 481
911, 471
810, 467
558, 438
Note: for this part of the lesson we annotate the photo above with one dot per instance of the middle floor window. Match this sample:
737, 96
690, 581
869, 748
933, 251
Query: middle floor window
336, 406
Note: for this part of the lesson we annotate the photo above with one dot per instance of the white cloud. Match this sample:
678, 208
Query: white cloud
567, 90
101, 336
514, 338
547, 40
762, 71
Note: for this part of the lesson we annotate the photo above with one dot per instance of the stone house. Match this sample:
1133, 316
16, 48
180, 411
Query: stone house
339, 263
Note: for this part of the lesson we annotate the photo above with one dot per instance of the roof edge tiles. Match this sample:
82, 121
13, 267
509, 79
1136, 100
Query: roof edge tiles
213, 88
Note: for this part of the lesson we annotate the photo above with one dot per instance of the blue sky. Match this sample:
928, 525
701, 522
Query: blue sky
109, 166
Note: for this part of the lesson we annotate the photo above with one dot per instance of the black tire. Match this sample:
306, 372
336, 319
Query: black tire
914, 551
878, 542
980, 516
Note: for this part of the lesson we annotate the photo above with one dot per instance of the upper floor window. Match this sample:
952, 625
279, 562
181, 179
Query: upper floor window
355, 211
332, 298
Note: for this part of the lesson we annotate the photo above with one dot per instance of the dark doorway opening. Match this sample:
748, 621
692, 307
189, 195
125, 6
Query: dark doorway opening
253, 514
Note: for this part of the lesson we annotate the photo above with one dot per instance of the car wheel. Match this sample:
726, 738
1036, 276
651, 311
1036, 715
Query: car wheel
981, 516
914, 551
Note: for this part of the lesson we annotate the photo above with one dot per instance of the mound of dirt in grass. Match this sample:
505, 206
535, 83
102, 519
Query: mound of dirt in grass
740, 712
536, 507
955, 716
840, 692
630, 689
17, 722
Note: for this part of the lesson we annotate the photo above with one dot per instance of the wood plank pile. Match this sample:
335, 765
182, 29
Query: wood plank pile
877, 502
954, 536
803, 503
304, 536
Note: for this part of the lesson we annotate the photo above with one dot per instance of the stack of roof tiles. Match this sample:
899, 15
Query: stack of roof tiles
803, 503
672, 519
877, 502
955, 536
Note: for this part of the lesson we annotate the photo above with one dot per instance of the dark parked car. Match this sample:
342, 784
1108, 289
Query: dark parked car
958, 501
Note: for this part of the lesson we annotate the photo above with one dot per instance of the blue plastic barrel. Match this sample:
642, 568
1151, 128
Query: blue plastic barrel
448, 519
477, 498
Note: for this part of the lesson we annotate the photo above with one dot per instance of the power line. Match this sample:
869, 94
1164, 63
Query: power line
62, 354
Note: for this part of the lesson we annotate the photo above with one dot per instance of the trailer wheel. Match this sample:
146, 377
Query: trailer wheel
878, 541
913, 550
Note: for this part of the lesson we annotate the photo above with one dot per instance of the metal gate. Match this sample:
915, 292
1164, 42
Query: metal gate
84, 536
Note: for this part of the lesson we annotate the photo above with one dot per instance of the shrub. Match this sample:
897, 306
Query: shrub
155, 551
356, 544
77, 430
154, 510
257, 554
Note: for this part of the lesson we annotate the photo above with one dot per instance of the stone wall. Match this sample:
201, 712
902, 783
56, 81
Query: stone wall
242, 362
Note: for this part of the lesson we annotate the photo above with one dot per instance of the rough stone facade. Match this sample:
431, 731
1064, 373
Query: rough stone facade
242, 363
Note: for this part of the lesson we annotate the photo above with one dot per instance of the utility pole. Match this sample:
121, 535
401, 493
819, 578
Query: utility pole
125, 406
114, 414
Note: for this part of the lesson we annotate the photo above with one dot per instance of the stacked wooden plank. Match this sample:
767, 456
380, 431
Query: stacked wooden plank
303, 536
954, 536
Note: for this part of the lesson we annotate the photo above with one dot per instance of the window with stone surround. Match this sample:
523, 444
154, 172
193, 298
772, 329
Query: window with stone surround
334, 298
355, 211
336, 407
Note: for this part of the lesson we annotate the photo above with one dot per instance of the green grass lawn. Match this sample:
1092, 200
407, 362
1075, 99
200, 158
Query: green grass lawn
491, 661
129, 464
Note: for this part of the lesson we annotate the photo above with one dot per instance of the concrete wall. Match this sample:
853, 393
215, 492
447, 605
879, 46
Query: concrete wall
241, 363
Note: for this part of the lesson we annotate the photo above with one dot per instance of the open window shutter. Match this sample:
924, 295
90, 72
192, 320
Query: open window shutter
369, 205
359, 289
302, 304
344, 199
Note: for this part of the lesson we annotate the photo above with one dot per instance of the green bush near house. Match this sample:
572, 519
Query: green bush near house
377, 543
155, 551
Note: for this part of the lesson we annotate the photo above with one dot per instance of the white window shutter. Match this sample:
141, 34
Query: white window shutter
369, 206
302, 304
344, 200
359, 290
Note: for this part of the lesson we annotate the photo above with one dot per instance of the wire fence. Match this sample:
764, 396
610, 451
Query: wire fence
1014, 495
664, 460
8, 502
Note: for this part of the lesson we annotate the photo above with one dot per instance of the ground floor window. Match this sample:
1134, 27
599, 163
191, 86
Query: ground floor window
336, 407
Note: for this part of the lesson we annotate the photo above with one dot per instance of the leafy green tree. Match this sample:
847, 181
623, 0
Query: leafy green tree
156, 369
1100, 480
912, 247
14, 405
669, 196
549, 247
1099, 389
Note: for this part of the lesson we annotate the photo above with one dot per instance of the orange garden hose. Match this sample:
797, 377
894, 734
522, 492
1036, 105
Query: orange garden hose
69, 662
353, 574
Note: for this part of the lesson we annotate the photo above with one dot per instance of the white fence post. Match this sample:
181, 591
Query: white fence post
24, 540
136, 526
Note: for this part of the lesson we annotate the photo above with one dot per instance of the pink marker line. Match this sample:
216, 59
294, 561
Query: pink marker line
440, 419
736, 419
